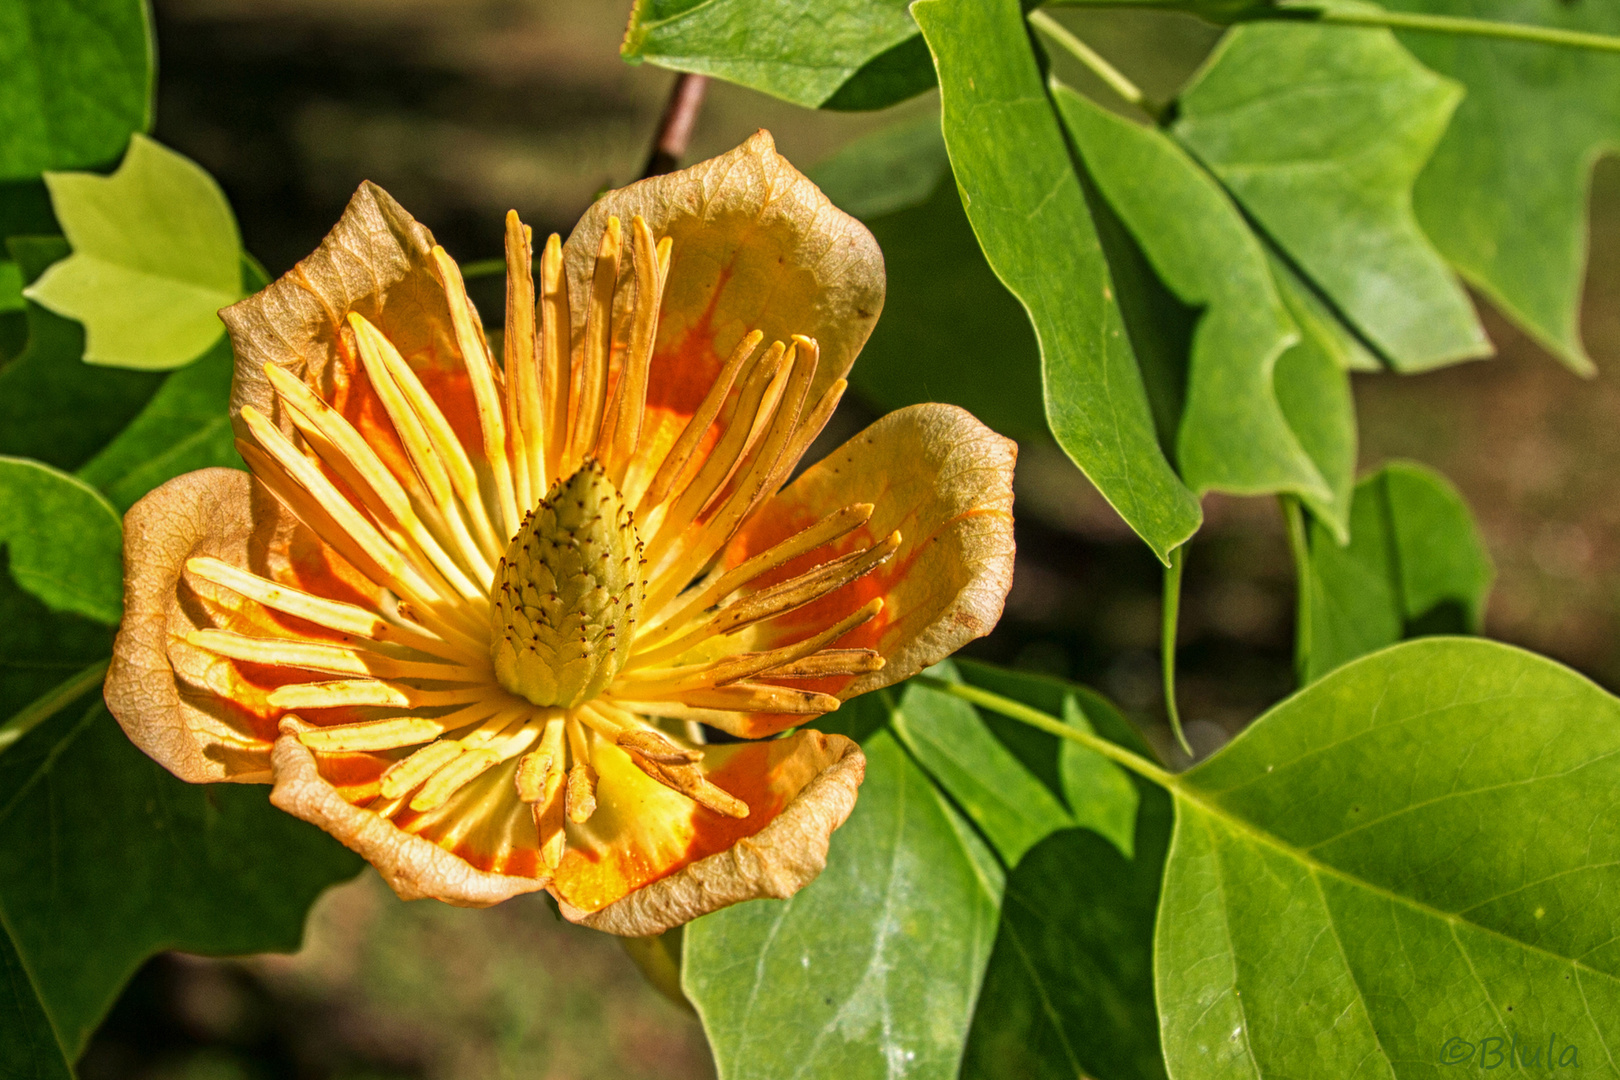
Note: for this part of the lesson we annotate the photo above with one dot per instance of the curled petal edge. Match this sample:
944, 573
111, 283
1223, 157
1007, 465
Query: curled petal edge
775, 862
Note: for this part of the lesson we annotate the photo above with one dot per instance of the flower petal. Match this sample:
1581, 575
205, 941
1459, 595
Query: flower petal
414, 867
944, 482
635, 871
757, 246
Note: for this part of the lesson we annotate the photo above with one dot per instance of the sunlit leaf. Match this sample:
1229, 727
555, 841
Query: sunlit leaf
75, 83
1415, 564
155, 255
1030, 214
950, 330
872, 969
1423, 845
1233, 435
1518, 232
105, 859
64, 539
1319, 131
1312, 381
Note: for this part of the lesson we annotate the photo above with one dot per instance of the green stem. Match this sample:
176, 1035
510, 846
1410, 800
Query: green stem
1169, 620
1465, 27
52, 702
1116, 80
1299, 548
1024, 714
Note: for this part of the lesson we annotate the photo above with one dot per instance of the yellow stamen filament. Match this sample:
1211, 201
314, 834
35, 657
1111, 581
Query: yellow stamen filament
591, 384
525, 421
410, 772
319, 656
547, 789
737, 698
389, 734
679, 454
809, 429
689, 781
555, 354
350, 693
830, 662
632, 392
533, 770
580, 798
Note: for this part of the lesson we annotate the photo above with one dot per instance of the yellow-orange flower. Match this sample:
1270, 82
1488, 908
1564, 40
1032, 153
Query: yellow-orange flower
475, 605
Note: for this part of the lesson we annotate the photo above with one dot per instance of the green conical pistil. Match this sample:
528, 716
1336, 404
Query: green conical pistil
567, 593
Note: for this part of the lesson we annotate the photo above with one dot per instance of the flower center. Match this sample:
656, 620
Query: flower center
563, 612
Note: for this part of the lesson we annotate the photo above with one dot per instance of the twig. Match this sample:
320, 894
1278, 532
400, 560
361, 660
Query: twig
675, 129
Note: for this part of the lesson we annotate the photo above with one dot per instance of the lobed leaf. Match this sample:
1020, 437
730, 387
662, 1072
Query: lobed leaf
64, 540
1030, 214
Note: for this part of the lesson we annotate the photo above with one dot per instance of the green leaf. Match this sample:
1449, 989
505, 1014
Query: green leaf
950, 330
1519, 234
1005, 800
1319, 132
105, 859
28, 1046
155, 255
1233, 435
782, 48
1069, 988
52, 407
1030, 213
1424, 845
1415, 564
11, 286
75, 83
65, 540
1312, 381
872, 969
186, 426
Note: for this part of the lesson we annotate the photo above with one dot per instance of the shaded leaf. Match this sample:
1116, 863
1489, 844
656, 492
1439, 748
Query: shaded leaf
75, 83
1312, 381
1518, 233
1415, 564
1319, 132
870, 970
39, 648
105, 859
950, 331
1422, 845
1030, 214
155, 255
65, 540
53, 408
1233, 435
28, 1046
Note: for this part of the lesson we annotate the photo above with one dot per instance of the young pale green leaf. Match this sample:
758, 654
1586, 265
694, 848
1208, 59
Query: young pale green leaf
785, 49
946, 736
156, 254
1030, 213
1422, 847
105, 859
1233, 435
28, 1046
75, 83
1319, 132
872, 969
1069, 988
1519, 233
54, 408
950, 330
64, 538
1415, 564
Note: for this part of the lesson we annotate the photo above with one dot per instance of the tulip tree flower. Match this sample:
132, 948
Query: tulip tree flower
479, 600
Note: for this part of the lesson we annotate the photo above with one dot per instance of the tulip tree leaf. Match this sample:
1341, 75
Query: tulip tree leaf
106, 858
1519, 233
156, 254
75, 83
28, 1046
1415, 564
64, 539
1029, 211
1425, 844
872, 969
950, 330
1312, 381
1233, 435
1069, 988
784, 48
53, 407
1319, 132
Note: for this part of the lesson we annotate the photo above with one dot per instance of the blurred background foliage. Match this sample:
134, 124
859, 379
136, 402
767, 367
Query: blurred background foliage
466, 108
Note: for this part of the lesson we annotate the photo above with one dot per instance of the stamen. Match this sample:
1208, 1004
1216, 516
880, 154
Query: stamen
407, 773
754, 697
319, 656
809, 429
654, 747
706, 411
389, 734
632, 393
347, 693
690, 781
555, 355
830, 662
540, 783
591, 385
524, 415
481, 371
580, 798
